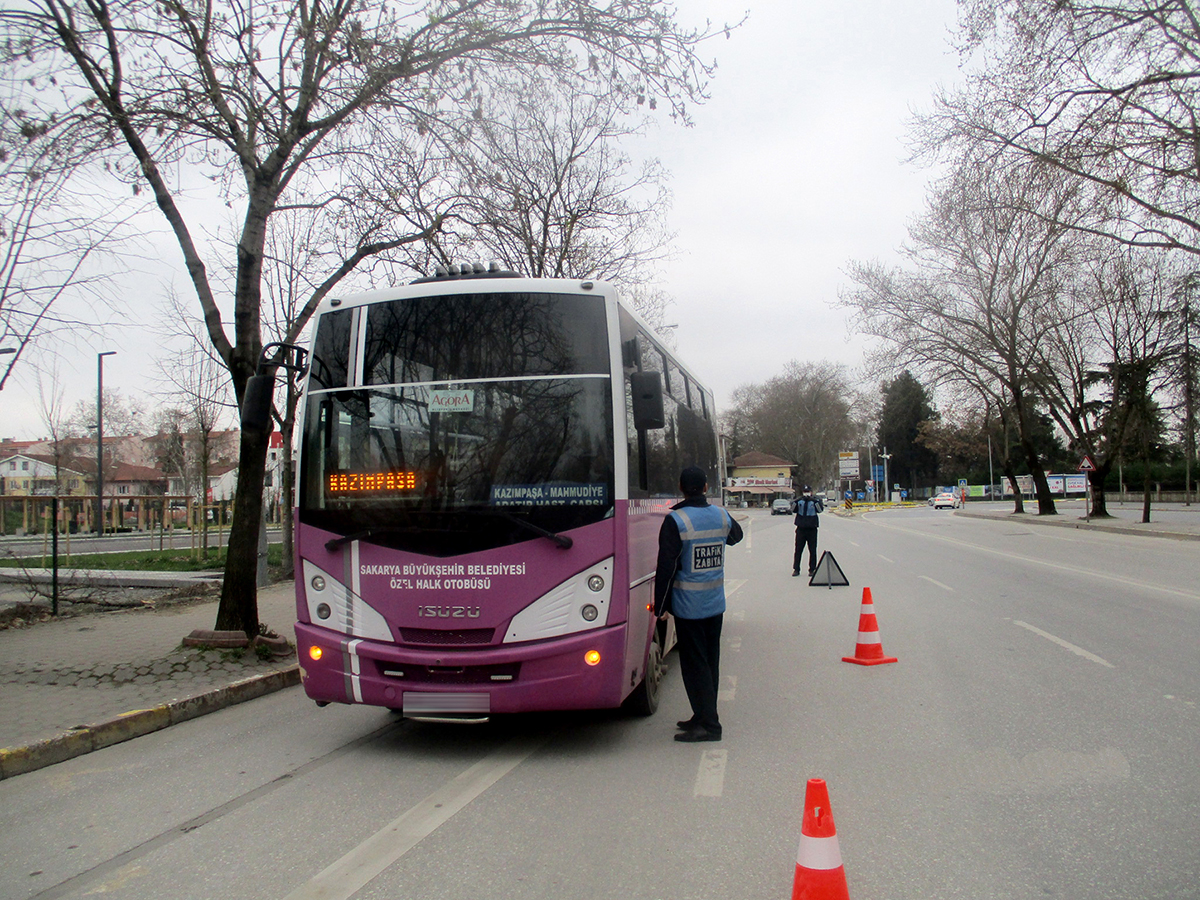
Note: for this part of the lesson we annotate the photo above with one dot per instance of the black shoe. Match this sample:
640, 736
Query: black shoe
812, 573
699, 734
687, 724
795, 572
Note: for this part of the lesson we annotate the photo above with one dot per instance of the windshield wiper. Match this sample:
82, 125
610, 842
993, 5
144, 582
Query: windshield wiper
336, 542
561, 539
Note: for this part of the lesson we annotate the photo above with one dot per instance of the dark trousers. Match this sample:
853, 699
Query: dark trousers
805, 537
699, 664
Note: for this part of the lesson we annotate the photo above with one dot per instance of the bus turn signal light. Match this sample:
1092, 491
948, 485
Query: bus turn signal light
592, 657
314, 653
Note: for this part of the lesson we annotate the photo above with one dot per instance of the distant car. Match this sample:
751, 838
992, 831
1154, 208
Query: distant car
945, 499
781, 507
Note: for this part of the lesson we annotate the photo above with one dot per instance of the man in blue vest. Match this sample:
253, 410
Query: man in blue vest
808, 510
689, 583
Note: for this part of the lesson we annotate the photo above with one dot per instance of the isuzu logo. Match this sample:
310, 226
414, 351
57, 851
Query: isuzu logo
448, 612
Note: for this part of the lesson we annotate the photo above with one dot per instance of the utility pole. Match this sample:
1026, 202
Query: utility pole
887, 485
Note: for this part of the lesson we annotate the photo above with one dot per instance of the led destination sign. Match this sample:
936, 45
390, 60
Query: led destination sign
371, 482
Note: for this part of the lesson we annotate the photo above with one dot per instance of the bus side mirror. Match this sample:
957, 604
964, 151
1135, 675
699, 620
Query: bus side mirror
256, 403
646, 389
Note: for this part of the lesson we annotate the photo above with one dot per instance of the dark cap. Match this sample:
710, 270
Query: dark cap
692, 480
806, 490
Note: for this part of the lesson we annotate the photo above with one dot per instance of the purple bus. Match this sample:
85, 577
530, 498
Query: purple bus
484, 465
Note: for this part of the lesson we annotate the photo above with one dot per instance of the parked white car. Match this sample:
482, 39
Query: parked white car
945, 499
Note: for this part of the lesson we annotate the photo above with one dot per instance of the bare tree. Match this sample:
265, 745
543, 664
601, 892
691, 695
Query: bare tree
1104, 92
277, 104
52, 245
983, 293
550, 193
1099, 374
803, 415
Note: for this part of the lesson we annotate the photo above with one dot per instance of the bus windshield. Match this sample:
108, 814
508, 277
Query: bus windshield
481, 415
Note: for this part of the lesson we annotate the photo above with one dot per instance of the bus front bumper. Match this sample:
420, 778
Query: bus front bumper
579, 671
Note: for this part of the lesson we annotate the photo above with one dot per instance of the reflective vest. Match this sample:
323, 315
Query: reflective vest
699, 587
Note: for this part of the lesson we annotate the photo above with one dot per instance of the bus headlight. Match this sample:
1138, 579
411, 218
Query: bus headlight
318, 583
596, 584
323, 611
589, 612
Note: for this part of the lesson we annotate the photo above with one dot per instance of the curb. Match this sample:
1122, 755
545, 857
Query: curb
86, 738
1031, 519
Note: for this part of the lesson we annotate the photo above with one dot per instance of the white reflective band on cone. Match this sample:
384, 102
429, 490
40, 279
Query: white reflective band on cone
868, 637
818, 853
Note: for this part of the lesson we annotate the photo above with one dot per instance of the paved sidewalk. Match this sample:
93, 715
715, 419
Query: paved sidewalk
1167, 520
83, 682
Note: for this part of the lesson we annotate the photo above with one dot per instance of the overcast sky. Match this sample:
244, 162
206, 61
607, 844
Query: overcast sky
794, 167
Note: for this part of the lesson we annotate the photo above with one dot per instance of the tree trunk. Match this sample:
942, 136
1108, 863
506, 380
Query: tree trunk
1096, 479
1146, 487
238, 610
1040, 486
1018, 500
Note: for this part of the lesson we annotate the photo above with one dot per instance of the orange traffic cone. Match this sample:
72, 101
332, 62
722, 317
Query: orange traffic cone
868, 651
819, 871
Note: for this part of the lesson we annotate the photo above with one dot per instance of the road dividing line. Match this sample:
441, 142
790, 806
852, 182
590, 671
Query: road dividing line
884, 558
728, 689
710, 778
734, 644
944, 587
732, 586
349, 874
1067, 645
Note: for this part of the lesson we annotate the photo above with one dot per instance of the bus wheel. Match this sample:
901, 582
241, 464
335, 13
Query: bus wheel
644, 699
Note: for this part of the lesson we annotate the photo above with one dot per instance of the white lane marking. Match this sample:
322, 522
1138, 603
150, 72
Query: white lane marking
352, 872
1075, 570
944, 587
1065, 644
854, 543
737, 615
710, 778
734, 644
732, 586
884, 558
728, 690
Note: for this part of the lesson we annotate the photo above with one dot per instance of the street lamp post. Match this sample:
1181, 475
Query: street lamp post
100, 439
887, 488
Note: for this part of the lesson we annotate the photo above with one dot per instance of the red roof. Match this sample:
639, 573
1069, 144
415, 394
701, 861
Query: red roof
126, 472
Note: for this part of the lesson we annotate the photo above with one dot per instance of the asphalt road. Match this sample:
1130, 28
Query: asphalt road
1037, 738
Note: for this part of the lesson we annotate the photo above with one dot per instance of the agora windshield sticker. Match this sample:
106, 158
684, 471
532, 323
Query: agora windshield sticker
452, 401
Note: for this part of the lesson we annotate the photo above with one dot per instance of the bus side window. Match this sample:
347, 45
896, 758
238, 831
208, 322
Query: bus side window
677, 385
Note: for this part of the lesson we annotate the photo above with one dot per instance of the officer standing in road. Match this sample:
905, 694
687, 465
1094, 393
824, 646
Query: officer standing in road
808, 508
689, 583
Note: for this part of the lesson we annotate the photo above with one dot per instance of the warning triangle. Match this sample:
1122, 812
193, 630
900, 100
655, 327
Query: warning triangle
828, 573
